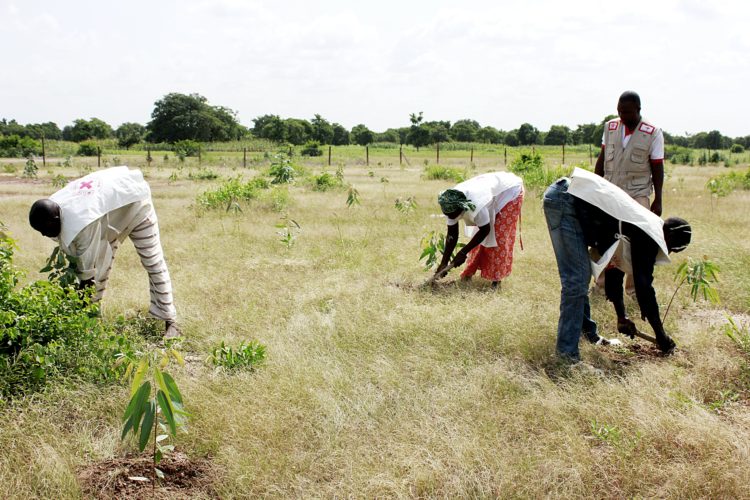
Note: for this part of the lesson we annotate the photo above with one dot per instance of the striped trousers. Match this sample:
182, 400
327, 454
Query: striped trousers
145, 238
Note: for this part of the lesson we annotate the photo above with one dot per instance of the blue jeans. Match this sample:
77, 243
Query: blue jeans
573, 265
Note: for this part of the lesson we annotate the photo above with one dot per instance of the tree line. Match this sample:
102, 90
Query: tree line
178, 117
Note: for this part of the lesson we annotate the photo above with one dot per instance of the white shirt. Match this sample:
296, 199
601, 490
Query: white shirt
657, 145
489, 193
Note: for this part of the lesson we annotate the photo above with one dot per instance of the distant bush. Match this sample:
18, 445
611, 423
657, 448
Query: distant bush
536, 176
204, 174
723, 185
13, 146
231, 192
737, 148
679, 155
186, 148
440, 172
88, 148
326, 181
311, 148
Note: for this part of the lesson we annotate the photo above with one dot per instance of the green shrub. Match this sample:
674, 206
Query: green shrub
536, 176
231, 192
737, 148
51, 332
204, 174
13, 146
679, 155
441, 172
186, 148
30, 170
282, 169
325, 181
88, 148
245, 356
311, 148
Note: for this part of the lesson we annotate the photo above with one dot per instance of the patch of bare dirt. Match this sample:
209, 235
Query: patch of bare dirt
131, 477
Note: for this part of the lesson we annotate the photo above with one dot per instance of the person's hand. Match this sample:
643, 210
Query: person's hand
440, 271
459, 259
626, 327
656, 207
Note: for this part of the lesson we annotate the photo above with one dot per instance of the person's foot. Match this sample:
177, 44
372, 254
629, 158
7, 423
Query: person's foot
497, 285
171, 330
667, 346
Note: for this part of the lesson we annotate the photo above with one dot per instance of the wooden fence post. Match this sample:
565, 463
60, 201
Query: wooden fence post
471, 159
400, 154
98, 156
148, 156
437, 159
244, 157
591, 156
505, 161
563, 153
44, 152
329, 155
367, 155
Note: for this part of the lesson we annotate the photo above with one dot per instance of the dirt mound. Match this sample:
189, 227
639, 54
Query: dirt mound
130, 477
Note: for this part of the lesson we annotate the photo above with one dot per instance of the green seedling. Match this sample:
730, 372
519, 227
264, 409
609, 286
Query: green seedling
406, 205
243, 357
433, 249
155, 411
700, 275
352, 197
290, 230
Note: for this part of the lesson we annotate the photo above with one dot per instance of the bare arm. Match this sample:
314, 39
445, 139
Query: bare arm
599, 167
657, 176
478, 238
451, 239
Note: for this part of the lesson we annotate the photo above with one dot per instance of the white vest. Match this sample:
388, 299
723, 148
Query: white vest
87, 199
604, 195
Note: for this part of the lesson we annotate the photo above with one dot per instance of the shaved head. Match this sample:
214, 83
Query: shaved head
44, 216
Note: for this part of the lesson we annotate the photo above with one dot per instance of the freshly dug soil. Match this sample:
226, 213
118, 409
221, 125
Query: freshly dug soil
123, 477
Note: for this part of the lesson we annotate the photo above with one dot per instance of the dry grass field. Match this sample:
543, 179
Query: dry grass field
375, 387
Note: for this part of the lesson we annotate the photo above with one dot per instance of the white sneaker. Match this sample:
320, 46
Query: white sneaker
603, 341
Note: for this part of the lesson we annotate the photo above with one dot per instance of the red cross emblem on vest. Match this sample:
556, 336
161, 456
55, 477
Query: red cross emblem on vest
87, 185
613, 125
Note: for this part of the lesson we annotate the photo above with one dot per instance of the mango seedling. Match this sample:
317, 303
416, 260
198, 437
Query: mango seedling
352, 197
290, 230
406, 205
61, 268
433, 249
155, 403
699, 274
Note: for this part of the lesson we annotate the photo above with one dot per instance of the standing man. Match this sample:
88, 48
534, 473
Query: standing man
632, 155
91, 216
632, 158
588, 211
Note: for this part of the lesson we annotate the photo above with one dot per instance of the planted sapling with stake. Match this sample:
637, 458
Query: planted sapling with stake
290, 230
433, 249
352, 197
156, 409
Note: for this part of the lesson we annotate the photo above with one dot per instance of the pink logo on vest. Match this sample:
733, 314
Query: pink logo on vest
645, 127
613, 125
87, 185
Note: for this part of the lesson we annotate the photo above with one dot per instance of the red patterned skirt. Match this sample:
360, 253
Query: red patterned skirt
495, 263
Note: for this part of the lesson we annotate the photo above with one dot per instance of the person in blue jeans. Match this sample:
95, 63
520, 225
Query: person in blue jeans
574, 225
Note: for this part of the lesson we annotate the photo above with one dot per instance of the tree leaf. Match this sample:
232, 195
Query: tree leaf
173, 391
167, 411
140, 372
148, 425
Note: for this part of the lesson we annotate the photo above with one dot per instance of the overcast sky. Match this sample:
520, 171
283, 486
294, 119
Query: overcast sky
501, 63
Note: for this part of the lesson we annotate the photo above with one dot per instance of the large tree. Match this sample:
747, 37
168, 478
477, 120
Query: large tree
178, 117
362, 135
557, 136
129, 134
465, 130
419, 133
528, 134
322, 130
340, 135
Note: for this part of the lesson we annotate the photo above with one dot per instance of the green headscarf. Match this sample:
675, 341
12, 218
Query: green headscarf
453, 200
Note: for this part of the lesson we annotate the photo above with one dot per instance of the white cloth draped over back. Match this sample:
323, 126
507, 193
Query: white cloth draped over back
489, 193
87, 199
601, 193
